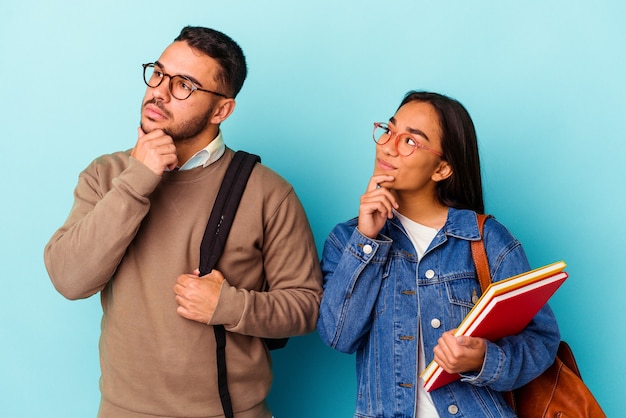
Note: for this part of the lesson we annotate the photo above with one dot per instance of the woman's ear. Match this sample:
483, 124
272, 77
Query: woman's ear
222, 111
443, 171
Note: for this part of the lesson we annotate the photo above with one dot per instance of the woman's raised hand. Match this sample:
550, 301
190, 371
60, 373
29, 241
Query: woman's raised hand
377, 205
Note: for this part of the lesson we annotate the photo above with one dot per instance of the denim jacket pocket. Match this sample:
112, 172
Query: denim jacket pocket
462, 294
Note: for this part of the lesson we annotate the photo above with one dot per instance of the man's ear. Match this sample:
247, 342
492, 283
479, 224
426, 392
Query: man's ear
443, 171
222, 111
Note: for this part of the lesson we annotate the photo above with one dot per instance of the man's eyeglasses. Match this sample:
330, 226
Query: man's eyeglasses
180, 86
406, 143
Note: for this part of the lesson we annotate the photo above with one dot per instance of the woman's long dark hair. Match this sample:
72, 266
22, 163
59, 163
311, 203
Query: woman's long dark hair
463, 189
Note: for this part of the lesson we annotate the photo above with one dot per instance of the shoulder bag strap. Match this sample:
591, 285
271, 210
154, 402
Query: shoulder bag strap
480, 255
481, 263
215, 234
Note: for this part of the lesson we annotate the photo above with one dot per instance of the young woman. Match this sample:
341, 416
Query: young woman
400, 277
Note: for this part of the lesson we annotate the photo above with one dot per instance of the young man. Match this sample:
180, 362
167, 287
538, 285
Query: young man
134, 235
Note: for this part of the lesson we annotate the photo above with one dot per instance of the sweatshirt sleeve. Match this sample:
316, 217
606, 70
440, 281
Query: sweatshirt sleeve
291, 272
110, 201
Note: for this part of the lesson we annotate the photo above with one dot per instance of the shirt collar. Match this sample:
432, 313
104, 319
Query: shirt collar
207, 155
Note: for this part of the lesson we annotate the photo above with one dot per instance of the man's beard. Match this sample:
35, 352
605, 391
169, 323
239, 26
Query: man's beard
187, 129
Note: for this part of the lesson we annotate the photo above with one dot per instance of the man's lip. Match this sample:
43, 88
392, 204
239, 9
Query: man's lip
153, 112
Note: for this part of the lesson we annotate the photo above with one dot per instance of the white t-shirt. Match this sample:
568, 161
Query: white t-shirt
421, 236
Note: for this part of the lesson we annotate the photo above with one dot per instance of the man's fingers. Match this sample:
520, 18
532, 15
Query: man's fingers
156, 150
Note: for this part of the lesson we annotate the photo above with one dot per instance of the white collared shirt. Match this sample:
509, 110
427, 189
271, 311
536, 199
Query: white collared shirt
206, 155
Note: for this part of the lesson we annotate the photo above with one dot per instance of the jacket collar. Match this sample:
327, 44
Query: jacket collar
461, 223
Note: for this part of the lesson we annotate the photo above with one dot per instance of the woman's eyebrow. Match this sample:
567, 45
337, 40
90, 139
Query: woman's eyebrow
414, 131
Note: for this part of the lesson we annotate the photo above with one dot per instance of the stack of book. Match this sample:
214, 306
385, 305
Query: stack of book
505, 308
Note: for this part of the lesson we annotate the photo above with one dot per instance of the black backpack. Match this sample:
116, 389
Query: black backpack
215, 235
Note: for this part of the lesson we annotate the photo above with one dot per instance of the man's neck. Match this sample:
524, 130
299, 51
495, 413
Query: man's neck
187, 149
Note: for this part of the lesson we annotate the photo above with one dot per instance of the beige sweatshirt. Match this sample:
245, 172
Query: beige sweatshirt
131, 233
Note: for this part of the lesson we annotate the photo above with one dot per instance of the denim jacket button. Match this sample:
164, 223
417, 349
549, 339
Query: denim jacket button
367, 249
435, 323
430, 274
453, 409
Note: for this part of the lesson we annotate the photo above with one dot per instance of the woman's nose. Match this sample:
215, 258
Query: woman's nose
391, 146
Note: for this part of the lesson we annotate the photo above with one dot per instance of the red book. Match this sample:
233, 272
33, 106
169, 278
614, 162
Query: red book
504, 309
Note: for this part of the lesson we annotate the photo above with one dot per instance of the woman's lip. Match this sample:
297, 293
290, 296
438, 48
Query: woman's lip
385, 165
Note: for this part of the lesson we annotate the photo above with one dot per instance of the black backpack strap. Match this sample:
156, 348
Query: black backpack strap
215, 234
222, 381
225, 208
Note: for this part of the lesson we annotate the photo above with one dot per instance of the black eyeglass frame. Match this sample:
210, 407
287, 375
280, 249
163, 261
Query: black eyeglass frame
171, 77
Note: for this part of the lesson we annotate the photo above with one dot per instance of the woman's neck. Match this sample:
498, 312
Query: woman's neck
427, 211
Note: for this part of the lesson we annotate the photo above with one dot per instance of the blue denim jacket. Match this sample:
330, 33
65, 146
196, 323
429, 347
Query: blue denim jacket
375, 291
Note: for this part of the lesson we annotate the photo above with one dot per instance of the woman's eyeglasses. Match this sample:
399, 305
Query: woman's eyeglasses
406, 143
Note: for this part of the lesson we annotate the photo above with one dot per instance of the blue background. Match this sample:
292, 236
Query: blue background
544, 81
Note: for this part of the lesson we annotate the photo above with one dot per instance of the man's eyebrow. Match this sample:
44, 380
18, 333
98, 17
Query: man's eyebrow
411, 130
187, 76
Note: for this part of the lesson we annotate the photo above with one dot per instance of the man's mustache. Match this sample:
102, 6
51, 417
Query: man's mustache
158, 104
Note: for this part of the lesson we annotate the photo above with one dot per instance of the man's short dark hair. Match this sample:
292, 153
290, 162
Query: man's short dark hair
224, 50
